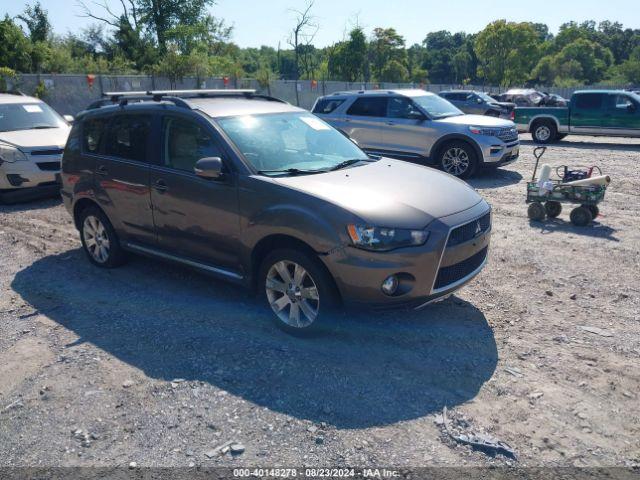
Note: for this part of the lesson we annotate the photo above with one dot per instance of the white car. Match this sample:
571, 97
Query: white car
32, 139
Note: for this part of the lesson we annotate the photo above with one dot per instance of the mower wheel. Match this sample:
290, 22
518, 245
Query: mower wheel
553, 208
537, 212
581, 216
595, 211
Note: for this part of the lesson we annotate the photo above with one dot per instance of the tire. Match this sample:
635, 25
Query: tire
544, 132
581, 216
292, 310
537, 212
99, 239
458, 159
595, 211
553, 208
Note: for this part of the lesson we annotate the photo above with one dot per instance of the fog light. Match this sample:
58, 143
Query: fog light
390, 285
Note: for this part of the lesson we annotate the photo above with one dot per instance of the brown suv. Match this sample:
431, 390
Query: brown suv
253, 190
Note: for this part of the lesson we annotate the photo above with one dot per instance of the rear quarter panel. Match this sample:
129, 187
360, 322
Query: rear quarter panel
524, 116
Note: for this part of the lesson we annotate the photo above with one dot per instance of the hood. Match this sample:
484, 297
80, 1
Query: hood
390, 193
477, 120
27, 140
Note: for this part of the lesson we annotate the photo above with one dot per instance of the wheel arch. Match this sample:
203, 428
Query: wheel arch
455, 137
538, 118
279, 241
80, 206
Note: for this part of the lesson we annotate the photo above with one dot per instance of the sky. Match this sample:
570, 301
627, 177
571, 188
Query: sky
267, 22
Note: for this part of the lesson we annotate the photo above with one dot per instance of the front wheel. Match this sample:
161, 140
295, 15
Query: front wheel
553, 208
581, 216
99, 239
298, 290
458, 159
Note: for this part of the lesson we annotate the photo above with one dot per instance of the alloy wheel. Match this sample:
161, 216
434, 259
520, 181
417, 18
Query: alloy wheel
455, 161
96, 239
292, 294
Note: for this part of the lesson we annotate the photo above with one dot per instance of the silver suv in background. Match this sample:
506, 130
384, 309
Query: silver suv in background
422, 127
478, 103
32, 138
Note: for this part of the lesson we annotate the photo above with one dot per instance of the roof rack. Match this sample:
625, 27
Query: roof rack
175, 96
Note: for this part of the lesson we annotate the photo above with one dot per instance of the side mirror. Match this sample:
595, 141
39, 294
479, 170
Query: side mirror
479, 100
631, 108
415, 115
69, 118
209, 167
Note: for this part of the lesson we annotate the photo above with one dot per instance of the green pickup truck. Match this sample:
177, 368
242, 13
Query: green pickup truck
590, 112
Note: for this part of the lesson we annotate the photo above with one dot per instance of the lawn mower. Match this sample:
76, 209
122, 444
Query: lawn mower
545, 195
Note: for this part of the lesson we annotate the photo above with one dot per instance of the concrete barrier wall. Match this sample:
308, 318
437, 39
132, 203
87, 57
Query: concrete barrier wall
70, 94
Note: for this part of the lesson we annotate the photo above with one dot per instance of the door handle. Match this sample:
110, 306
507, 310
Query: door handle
102, 170
160, 186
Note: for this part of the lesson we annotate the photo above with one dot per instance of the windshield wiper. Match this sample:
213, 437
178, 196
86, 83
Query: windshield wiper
40, 127
348, 163
292, 171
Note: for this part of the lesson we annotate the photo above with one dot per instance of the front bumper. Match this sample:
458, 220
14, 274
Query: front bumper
496, 152
29, 174
427, 273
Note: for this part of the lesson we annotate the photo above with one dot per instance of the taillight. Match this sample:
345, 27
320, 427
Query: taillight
513, 115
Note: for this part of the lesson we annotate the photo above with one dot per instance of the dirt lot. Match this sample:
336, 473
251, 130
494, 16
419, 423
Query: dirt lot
158, 365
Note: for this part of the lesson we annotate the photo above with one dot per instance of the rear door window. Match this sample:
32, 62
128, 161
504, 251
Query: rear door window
589, 101
93, 132
127, 137
369, 107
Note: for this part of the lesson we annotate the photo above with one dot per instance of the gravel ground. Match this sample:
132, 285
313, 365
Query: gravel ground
158, 365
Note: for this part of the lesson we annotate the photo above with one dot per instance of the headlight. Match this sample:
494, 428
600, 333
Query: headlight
11, 154
492, 132
383, 239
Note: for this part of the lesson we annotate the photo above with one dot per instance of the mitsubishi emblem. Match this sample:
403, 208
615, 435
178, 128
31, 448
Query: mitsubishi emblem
478, 229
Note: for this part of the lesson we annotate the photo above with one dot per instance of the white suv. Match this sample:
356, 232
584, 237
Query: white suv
32, 139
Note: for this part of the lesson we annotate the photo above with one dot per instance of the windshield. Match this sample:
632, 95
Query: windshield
283, 142
27, 116
436, 107
486, 97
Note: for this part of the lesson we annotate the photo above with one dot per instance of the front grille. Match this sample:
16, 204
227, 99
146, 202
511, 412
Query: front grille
57, 151
453, 273
508, 134
49, 166
469, 231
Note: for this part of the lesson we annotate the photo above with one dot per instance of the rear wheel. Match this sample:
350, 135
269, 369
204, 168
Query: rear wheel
99, 239
544, 131
537, 212
553, 208
298, 290
595, 211
458, 159
581, 216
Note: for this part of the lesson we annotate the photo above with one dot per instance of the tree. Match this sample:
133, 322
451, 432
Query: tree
347, 59
37, 21
386, 45
302, 34
15, 48
507, 52
394, 71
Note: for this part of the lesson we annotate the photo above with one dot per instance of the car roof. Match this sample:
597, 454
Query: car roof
214, 103
232, 107
602, 91
407, 92
17, 97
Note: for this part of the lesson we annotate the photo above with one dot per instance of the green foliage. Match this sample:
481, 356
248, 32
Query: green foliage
40, 91
179, 38
507, 52
6, 75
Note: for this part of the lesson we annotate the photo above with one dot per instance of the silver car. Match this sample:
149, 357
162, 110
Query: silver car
32, 138
422, 127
